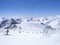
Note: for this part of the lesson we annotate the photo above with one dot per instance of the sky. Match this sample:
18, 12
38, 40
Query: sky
33, 8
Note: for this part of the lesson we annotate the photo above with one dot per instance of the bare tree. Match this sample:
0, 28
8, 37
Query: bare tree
7, 31
20, 29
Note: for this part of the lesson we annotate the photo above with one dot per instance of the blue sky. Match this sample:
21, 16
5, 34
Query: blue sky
29, 7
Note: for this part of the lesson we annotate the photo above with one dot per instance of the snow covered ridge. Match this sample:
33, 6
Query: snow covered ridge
43, 25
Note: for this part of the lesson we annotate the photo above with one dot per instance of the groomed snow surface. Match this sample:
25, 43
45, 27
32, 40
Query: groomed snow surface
30, 34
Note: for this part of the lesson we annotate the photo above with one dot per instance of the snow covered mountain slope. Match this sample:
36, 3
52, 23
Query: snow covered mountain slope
30, 31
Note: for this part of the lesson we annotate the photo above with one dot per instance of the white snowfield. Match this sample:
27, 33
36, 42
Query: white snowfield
30, 31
